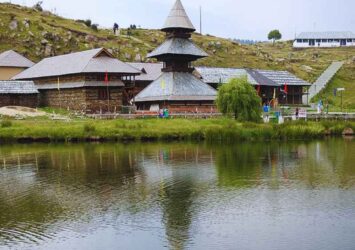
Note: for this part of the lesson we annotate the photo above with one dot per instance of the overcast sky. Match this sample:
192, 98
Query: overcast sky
244, 19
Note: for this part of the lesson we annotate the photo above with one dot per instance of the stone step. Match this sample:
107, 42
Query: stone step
323, 80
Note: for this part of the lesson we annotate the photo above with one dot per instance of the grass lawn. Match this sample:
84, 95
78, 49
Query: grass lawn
222, 129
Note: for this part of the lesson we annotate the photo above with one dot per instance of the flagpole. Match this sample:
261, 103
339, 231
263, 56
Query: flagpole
108, 92
60, 97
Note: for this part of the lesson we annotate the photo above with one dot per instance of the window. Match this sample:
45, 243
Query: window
318, 40
337, 40
305, 40
299, 40
330, 40
349, 40
103, 94
324, 40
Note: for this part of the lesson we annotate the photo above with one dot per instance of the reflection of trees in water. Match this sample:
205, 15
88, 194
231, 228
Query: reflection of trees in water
47, 184
79, 182
328, 163
239, 165
317, 163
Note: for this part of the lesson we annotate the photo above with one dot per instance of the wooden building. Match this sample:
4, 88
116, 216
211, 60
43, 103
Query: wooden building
266, 81
91, 81
18, 93
177, 88
12, 63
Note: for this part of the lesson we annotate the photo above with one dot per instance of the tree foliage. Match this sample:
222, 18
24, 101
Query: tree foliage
274, 35
239, 99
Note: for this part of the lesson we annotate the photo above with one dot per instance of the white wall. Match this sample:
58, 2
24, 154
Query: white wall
297, 44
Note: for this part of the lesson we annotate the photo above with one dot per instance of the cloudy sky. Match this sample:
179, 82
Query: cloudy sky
251, 19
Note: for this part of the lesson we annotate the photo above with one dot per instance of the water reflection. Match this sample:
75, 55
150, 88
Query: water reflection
177, 196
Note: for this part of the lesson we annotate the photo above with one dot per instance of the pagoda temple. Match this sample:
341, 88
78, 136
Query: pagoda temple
177, 89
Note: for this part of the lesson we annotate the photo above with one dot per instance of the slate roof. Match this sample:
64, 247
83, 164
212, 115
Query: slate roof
178, 19
177, 86
326, 35
178, 46
11, 58
282, 77
18, 87
255, 76
149, 71
81, 84
219, 75
90, 61
261, 79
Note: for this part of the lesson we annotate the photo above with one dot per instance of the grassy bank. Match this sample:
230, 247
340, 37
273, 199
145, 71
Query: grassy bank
163, 130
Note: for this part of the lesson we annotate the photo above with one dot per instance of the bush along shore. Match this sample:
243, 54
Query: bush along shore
213, 130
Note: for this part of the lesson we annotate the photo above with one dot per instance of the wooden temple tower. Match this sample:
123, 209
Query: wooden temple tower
177, 88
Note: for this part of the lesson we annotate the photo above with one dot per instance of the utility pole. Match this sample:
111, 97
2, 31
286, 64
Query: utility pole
201, 20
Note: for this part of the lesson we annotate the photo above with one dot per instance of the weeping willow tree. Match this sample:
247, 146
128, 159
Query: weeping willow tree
239, 99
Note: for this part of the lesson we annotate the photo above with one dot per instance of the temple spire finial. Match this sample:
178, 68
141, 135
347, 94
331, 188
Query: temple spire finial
178, 19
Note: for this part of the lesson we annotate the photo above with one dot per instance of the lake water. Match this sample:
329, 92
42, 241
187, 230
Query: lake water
298, 195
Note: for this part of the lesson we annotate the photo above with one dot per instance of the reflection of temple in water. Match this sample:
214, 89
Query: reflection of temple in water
79, 182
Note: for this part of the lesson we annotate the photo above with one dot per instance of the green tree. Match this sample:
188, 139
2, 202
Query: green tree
238, 98
274, 35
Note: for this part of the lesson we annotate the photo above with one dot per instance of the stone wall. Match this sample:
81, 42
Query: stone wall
73, 99
82, 99
95, 105
23, 100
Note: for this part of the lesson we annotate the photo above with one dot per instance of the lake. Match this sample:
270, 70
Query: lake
294, 195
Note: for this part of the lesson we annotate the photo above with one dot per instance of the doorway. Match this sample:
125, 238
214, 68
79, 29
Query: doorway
312, 42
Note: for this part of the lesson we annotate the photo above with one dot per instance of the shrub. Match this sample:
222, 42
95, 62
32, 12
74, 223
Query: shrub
5, 124
238, 98
95, 27
88, 22
89, 128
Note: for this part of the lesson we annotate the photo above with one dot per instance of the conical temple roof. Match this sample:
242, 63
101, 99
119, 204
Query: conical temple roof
177, 86
178, 19
178, 46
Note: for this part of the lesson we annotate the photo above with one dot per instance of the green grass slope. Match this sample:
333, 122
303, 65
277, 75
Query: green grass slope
41, 34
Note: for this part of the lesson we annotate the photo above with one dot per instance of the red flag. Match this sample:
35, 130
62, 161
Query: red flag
286, 88
106, 78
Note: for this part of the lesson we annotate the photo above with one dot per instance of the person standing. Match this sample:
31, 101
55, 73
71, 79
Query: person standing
297, 113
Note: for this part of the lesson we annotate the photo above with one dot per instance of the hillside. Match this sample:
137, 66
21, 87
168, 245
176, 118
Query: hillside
41, 34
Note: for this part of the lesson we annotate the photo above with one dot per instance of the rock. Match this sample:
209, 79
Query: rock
13, 24
30, 34
48, 50
44, 42
138, 58
136, 50
70, 35
348, 131
26, 23
47, 35
211, 44
307, 68
127, 56
218, 45
280, 60
315, 55
90, 38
